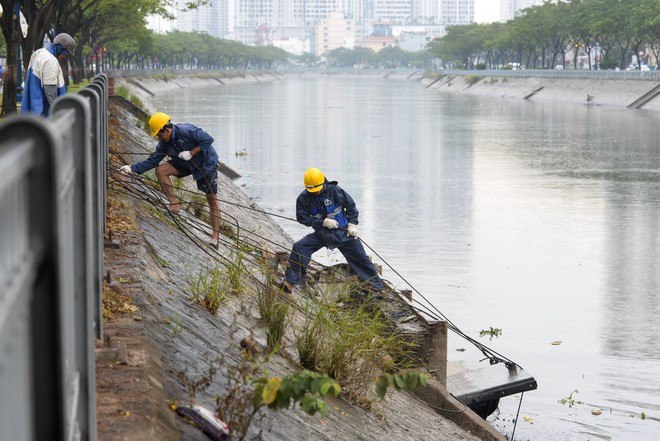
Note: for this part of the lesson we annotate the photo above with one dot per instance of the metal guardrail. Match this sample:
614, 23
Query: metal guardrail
649, 75
653, 75
51, 216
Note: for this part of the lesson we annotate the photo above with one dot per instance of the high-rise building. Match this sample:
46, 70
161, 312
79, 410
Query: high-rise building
457, 12
211, 19
393, 11
334, 32
426, 11
263, 22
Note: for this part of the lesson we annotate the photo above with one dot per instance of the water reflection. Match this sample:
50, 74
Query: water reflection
633, 278
541, 220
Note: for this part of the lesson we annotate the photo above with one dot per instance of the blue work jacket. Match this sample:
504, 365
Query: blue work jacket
331, 202
184, 137
44, 70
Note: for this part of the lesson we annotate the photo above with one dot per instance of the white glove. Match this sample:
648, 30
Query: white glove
330, 223
185, 155
126, 169
351, 230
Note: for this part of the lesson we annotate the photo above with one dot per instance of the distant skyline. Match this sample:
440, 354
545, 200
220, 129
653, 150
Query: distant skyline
485, 11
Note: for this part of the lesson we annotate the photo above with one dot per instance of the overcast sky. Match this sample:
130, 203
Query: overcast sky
486, 11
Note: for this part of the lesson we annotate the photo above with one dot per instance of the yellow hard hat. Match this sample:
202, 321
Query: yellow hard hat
157, 122
314, 180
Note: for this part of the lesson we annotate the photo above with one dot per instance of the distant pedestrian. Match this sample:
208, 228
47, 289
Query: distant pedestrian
44, 80
332, 213
191, 152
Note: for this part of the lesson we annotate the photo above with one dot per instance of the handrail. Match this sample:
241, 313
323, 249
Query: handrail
51, 251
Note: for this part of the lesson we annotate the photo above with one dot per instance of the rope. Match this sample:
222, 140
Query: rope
493, 356
427, 309
517, 415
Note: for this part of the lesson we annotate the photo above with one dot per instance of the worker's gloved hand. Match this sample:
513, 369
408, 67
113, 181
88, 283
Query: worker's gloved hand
185, 155
330, 223
352, 231
126, 169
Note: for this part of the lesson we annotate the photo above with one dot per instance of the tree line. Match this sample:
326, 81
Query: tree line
113, 34
606, 33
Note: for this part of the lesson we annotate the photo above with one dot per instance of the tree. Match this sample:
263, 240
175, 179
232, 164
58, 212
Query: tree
11, 30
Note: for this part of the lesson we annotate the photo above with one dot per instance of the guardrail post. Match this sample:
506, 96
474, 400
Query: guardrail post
98, 211
52, 211
71, 113
438, 350
31, 365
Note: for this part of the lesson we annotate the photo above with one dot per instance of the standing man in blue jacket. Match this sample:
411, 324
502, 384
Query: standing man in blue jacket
191, 152
332, 213
44, 80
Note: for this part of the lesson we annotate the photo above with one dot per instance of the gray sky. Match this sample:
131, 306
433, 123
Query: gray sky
486, 11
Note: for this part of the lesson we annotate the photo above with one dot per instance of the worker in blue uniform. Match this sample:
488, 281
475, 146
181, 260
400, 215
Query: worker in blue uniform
44, 80
332, 213
191, 152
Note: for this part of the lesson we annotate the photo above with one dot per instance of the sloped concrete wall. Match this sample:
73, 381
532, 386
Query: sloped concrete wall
592, 92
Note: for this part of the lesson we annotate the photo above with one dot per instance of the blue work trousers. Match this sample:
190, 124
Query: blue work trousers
352, 250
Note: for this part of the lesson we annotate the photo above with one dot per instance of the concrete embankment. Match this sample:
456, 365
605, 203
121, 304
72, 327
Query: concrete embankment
145, 86
153, 355
585, 91
614, 92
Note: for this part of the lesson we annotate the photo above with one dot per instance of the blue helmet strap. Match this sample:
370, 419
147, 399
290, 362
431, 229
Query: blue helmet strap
59, 50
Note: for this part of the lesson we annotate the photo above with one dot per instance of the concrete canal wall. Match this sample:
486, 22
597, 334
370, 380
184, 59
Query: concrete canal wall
597, 90
606, 89
169, 333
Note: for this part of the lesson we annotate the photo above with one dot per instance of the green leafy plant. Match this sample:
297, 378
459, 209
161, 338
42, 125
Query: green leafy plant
276, 325
305, 388
250, 389
236, 272
267, 298
176, 325
236, 407
471, 80
570, 400
124, 93
308, 342
208, 288
353, 345
493, 332
407, 381
274, 310
162, 262
136, 101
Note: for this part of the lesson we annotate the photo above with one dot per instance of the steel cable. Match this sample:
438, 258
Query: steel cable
431, 310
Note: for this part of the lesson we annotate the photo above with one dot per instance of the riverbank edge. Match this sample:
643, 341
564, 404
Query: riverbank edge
132, 417
144, 87
588, 92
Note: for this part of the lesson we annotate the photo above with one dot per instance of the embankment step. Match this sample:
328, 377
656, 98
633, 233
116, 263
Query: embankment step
644, 99
533, 93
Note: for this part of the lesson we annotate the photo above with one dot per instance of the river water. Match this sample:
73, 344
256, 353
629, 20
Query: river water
540, 220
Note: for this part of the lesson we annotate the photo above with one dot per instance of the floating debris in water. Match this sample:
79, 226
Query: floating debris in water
493, 332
